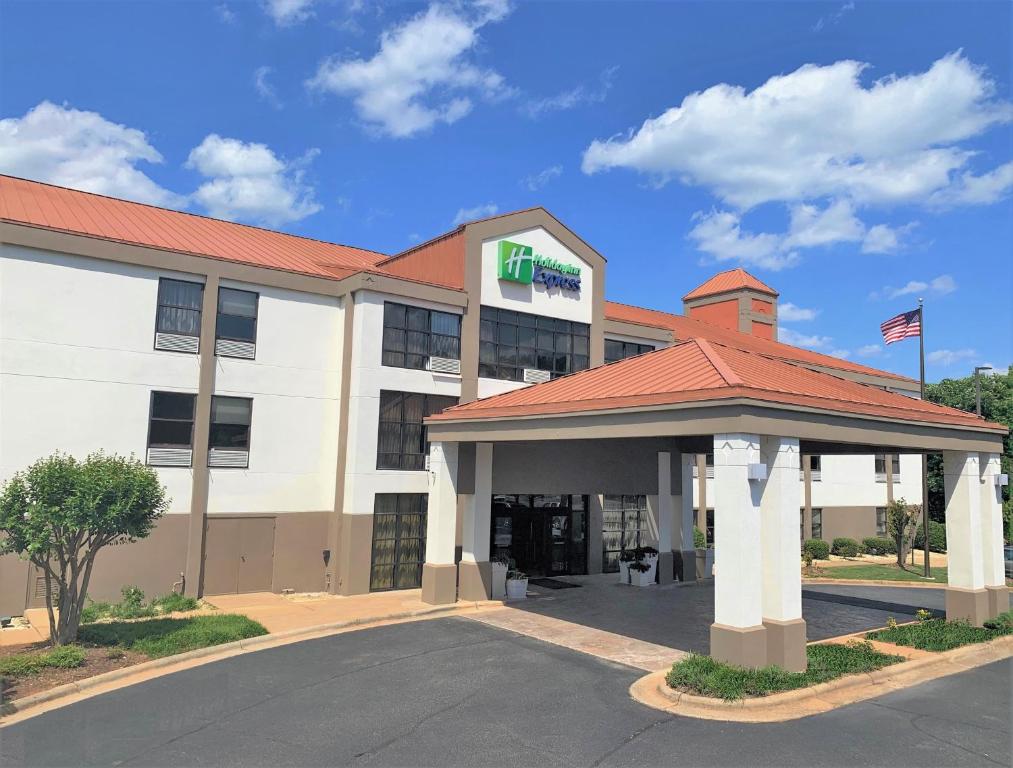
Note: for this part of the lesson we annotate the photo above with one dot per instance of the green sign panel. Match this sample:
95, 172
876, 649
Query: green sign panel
516, 262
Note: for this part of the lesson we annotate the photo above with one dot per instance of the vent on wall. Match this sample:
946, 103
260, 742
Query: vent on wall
228, 458
169, 457
444, 365
535, 376
229, 348
40, 589
175, 342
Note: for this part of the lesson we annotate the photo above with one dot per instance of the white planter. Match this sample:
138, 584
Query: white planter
708, 568
624, 572
499, 572
652, 560
642, 578
516, 589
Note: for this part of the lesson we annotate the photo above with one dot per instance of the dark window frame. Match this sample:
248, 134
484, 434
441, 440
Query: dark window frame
249, 430
159, 305
643, 516
219, 313
388, 350
627, 349
408, 462
881, 528
151, 419
510, 341
398, 540
816, 523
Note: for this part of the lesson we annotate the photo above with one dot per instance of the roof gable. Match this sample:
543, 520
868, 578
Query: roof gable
731, 280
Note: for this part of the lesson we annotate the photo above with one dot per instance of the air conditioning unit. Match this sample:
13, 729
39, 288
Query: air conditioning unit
177, 342
444, 365
536, 376
229, 348
230, 458
169, 457
1001, 480
757, 471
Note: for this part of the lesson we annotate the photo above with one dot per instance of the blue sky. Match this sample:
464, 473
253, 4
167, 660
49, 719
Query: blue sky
854, 155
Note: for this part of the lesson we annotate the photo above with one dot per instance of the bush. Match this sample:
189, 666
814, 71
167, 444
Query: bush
817, 548
133, 606
164, 637
937, 537
845, 547
174, 602
699, 539
1002, 623
25, 664
942, 635
878, 545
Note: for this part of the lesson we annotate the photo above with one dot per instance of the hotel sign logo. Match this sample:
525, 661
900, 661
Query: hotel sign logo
519, 263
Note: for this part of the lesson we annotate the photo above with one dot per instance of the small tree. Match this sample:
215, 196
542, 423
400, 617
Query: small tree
60, 512
901, 520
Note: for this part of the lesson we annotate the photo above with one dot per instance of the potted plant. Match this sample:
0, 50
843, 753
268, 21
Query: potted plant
516, 585
641, 574
625, 558
649, 555
500, 566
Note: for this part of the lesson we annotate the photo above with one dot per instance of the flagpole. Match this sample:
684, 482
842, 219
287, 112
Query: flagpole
925, 456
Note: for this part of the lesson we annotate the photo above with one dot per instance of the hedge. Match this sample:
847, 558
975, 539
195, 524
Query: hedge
845, 547
879, 545
818, 548
937, 537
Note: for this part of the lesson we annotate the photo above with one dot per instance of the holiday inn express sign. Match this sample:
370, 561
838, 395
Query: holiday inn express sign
520, 264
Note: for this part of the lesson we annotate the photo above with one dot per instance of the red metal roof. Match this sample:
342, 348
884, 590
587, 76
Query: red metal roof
684, 327
731, 280
84, 213
698, 371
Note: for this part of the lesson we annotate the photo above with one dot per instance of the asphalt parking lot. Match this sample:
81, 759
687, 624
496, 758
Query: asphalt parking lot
452, 692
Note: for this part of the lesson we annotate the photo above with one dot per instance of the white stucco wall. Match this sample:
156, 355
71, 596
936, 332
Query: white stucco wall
77, 360
362, 479
295, 385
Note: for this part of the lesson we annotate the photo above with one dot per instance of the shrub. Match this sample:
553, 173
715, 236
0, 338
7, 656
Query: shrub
942, 635
937, 537
816, 548
845, 547
699, 539
1002, 623
174, 602
65, 657
879, 545
165, 637
25, 664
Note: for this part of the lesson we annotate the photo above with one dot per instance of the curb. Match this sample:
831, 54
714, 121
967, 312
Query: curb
217, 652
815, 582
652, 690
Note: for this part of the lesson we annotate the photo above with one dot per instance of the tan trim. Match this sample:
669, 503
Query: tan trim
155, 258
970, 605
439, 584
334, 524
888, 460
998, 600
474, 580
355, 554
734, 415
621, 328
197, 533
786, 642
741, 646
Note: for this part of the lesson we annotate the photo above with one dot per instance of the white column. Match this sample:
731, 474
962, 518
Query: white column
993, 560
478, 509
439, 574
965, 594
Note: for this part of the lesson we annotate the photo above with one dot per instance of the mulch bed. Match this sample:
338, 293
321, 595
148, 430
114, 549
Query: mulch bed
97, 661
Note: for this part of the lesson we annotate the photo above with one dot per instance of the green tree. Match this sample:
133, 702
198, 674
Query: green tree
997, 406
60, 512
901, 521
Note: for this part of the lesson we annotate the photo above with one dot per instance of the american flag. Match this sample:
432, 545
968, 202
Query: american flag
903, 325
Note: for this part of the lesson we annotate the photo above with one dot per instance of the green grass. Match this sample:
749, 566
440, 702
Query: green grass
165, 637
707, 677
883, 573
942, 635
25, 664
133, 606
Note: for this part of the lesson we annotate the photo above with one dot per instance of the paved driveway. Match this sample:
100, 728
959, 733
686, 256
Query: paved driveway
452, 692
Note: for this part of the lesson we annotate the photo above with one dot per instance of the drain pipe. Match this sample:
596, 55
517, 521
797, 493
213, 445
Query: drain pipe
181, 583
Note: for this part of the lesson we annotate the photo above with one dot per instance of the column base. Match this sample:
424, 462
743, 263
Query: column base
439, 584
969, 605
474, 580
689, 565
998, 600
666, 567
741, 646
786, 644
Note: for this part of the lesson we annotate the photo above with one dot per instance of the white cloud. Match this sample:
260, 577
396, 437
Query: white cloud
248, 182
811, 226
833, 18
72, 148
286, 13
817, 132
976, 190
422, 74
719, 234
869, 350
478, 212
939, 286
789, 313
950, 356
883, 238
573, 97
536, 181
225, 14
839, 353
796, 339
264, 88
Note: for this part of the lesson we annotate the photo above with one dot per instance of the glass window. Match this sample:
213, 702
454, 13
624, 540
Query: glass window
624, 523
512, 341
399, 541
237, 315
230, 422
620, 350
881, 521
816, 463
817, 523
403, 442
411, 335
880, 464
171, 424
179, 307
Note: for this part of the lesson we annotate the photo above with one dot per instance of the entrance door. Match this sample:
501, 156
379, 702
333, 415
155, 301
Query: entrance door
238, 555
545, 535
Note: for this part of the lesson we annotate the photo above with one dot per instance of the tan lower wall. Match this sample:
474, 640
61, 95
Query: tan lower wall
13, 585
848, 522
299, 542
